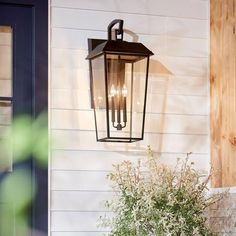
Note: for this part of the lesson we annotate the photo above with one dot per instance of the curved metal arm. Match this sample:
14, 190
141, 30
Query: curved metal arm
118, 31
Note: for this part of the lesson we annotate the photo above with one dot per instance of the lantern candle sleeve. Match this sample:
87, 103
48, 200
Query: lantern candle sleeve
118, 98
124, 94
118, 77
113, 92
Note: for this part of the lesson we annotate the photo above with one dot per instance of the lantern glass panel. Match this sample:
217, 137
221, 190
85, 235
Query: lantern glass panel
99, 95
139, 96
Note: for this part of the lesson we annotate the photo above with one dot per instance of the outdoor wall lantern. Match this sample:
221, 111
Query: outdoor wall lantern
119, 78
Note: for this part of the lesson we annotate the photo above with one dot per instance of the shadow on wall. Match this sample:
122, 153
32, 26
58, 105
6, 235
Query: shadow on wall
129, 33
157, 68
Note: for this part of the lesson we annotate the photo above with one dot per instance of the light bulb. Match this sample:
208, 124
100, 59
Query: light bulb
124, 91
113, 90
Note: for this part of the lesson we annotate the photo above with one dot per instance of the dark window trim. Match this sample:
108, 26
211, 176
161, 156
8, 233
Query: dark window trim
40, 52
40, 96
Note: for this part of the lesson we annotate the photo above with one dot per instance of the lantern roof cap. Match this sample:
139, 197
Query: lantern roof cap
120, 47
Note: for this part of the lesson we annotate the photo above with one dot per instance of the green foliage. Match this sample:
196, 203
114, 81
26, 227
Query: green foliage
25, 139
154, 199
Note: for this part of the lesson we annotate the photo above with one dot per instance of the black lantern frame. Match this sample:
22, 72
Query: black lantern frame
112, 65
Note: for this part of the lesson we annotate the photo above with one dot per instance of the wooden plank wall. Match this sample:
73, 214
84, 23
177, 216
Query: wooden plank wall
177, 111
223, 92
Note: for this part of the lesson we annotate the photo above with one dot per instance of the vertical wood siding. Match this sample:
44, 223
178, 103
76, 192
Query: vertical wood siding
177, 109
223, 92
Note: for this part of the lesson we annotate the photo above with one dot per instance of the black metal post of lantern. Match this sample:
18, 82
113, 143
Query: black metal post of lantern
118, 79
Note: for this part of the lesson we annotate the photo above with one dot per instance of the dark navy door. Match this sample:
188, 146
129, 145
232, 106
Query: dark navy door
23, 91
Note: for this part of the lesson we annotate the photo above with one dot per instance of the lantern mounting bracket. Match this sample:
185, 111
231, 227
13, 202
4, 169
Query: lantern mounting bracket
118, 31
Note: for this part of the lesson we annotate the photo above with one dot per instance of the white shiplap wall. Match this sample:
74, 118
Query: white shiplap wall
177, 111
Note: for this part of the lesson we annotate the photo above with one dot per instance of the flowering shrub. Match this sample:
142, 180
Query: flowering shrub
154, 199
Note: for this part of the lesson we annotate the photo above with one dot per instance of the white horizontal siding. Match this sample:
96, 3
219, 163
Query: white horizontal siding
177, 104
139, 24
75, 59
181, 8
80, 181
77, 233
79, 201
156, 103
103, 160
75, 221
155, 123
67, 78
85, 140
77, 39
174, 65
74, 18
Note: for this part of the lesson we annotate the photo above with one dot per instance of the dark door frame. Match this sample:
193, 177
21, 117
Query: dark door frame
39, 96
40, 51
